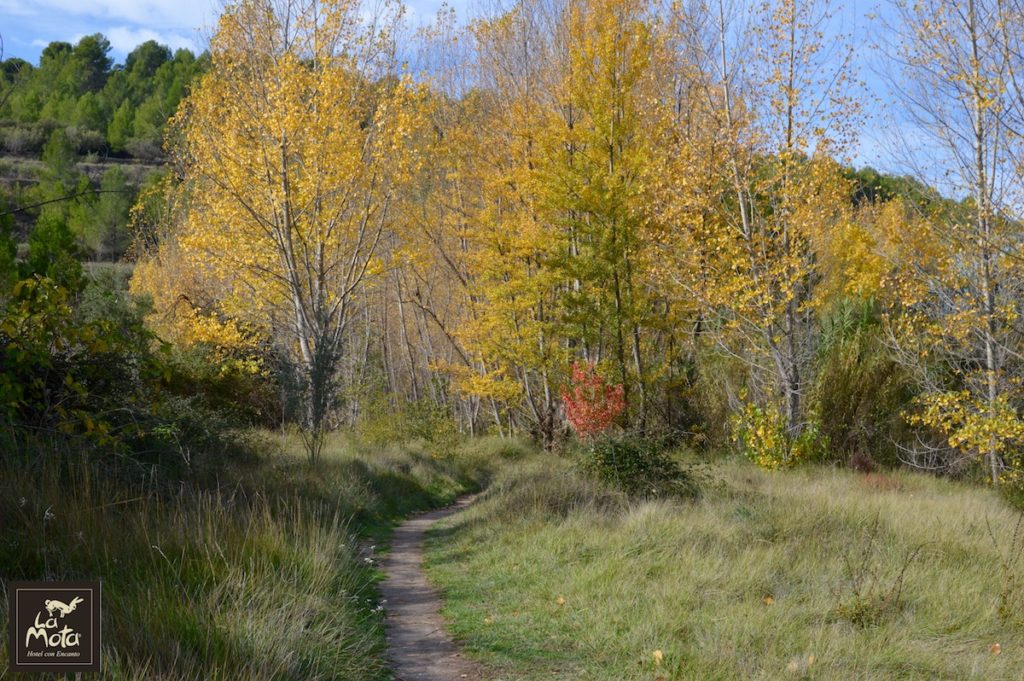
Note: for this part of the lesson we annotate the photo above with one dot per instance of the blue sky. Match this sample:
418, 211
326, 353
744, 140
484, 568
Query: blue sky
27, 26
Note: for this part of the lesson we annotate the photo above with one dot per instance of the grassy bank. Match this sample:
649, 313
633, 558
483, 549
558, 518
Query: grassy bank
552, 577
255, 573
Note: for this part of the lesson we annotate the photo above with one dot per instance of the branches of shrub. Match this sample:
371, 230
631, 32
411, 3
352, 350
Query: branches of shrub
78, 363
639, 466
72, 375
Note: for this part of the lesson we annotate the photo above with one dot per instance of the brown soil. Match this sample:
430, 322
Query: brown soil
419, 648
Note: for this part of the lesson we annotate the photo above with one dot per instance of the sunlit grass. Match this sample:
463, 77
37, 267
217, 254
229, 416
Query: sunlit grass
550, 577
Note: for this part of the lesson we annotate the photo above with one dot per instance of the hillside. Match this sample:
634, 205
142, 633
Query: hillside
104, 108
77, 125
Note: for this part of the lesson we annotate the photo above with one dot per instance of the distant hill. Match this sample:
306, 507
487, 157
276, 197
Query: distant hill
79, 137
106, 109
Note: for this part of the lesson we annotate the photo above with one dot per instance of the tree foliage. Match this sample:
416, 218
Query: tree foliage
293, 144
657, 190
103, 107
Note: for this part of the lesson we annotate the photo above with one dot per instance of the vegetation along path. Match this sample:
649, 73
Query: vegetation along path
418, 646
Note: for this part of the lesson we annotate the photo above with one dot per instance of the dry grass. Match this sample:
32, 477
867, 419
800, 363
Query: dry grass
259, 577
550, 578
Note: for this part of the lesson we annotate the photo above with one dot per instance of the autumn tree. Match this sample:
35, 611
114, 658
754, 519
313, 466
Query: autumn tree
290, 150
591, 405
776, 100
595, 165
551, 232
431, 294
510, 334
958, 326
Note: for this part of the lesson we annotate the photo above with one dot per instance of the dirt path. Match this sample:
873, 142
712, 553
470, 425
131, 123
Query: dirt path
418, 646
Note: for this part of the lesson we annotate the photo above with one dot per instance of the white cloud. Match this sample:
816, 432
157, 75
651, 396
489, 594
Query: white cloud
124, 39
125, 23
162, 14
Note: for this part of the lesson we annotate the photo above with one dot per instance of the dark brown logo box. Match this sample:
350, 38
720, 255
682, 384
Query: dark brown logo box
54, 626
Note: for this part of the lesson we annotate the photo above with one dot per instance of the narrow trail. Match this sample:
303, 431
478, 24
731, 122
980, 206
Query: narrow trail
419, 648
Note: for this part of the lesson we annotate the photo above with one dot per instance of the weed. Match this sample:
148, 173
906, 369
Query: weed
255, 574
1010, 601
554, 576
867, 594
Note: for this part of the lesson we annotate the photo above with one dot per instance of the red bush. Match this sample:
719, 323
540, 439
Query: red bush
591, 404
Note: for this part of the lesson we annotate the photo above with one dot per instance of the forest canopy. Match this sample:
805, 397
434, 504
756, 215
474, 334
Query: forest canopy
81, 135
652, 197
561, 218
103, 108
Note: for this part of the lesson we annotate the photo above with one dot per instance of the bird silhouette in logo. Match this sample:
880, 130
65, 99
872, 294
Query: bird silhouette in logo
62, 608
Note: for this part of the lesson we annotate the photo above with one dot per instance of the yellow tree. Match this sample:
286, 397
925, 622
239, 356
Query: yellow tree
290, 150
958, 325
556, 225
595, 166
499, 246
776, 103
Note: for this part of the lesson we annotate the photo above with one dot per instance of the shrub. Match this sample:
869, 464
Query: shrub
859, 390
79, 365
231, 383
639, 467
86, 141
591, 404
423, 419
144, 149
763, 436
1013, 493
62, 371
862, 462
868, 594
716, 377
188, 440
20, 139
1010, 601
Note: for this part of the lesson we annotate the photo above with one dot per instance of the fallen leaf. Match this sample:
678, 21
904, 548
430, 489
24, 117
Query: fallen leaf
658, 657
560, 600
768, 600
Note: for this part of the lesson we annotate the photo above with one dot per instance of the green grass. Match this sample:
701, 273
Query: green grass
553, 577
263, 575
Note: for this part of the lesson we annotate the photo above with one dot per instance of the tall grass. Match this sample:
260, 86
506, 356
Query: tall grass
549, 577
260, 575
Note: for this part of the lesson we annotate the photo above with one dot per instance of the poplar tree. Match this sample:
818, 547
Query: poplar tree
290, 150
